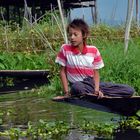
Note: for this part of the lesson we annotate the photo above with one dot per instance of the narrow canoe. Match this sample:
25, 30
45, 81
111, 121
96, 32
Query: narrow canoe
23, 85
24, 73
120, 105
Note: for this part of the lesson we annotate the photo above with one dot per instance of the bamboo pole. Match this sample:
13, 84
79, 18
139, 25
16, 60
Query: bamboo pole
95, 11
137, 13
5, 32
130, 8
52, 21
63, 22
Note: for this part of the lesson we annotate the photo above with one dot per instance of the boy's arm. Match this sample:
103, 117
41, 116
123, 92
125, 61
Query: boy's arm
96, 79
64, 80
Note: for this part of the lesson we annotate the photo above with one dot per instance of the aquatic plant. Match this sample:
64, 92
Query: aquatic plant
57, 129
41, 130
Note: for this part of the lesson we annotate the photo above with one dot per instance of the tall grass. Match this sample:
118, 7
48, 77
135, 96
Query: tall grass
120, 68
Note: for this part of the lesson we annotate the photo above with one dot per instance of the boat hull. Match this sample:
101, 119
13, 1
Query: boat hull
119, 105
24, 73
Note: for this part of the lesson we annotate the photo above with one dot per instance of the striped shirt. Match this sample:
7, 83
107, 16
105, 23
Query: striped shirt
79, 65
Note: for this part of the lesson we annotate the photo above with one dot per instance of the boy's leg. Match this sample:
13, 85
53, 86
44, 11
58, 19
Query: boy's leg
116, 90
81, 87
107, 88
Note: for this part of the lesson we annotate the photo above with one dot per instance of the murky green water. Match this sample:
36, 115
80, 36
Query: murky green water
21, 110
27, 109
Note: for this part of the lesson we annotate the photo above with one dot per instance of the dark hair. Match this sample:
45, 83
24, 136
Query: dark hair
79, 24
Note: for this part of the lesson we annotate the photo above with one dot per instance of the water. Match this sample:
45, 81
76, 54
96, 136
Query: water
35, 108
20, 110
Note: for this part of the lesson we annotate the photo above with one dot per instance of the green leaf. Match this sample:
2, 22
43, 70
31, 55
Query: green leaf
2, 66
138, 113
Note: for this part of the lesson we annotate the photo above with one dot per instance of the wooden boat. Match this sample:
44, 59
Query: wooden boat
24, 73
120, 105
23, 80
23, 85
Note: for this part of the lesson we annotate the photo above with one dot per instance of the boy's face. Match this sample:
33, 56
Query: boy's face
75, 37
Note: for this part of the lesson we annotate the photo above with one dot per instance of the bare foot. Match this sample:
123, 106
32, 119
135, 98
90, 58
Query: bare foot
60, 97
98, 95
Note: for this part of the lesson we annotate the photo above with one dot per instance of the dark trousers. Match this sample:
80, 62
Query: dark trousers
107, 88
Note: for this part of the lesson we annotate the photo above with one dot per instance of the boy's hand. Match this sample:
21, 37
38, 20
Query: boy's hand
67, 94
99, 94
